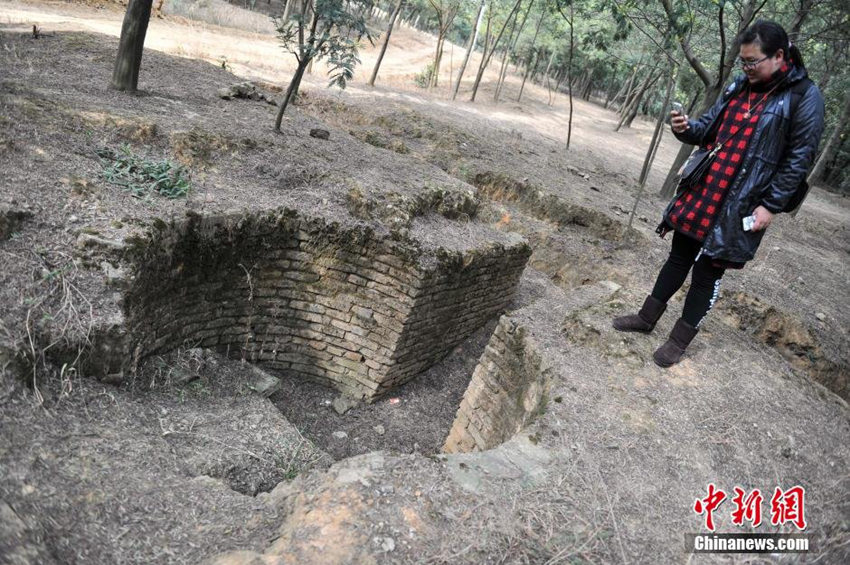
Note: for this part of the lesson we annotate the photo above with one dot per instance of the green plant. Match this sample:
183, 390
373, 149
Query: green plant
323, 29
423, 79
140, 176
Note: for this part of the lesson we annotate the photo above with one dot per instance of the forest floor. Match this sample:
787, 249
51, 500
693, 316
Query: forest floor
167, 469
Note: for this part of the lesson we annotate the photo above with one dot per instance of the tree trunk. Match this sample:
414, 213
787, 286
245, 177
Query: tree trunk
470, 48
532, 66
536, 54
548, 76
510, 49
653, 146
560, 76
659, 129
632, 108
629, 95
291, 91
287, 10
625, 90
588, 87
485, 59
829, 150
570, 76
503, 69
713, 84
438, 56
672, 180
694, 101
800, 16
386, 42
125, 73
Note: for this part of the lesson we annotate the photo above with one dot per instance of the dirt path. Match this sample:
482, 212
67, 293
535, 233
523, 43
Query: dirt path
260, 57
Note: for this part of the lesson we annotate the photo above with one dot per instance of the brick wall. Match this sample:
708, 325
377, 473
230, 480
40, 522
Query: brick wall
508, 389
342, 306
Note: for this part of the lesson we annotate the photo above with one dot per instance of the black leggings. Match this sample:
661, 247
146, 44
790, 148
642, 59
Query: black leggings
705, 281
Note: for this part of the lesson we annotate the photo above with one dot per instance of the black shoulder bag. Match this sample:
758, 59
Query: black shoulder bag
697, 165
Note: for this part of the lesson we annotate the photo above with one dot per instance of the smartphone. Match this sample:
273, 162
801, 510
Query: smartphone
749, 223
678, 108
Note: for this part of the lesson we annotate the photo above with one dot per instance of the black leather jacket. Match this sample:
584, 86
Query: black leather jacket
777, 160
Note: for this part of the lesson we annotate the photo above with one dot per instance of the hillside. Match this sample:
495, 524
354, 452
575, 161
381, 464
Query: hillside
389, 346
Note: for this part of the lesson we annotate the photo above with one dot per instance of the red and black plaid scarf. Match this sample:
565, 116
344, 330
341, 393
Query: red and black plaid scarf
695, 210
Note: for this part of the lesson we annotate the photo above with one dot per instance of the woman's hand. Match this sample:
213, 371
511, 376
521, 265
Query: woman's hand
679, 122
763, 218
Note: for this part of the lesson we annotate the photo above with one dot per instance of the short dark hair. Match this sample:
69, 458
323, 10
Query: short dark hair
771, 37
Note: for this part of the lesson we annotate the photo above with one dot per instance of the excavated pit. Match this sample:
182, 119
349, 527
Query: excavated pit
339, 306
344, 314
340, 314
789, 336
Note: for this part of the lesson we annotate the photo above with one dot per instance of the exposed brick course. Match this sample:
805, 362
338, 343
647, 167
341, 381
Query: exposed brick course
342, 306
508, 389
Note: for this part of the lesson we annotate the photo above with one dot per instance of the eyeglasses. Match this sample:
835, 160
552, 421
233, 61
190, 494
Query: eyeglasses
751, 64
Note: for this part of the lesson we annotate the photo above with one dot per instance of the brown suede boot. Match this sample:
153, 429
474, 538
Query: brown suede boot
644, 321
680, 337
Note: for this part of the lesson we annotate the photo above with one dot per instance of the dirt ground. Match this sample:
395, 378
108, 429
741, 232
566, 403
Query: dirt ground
173, 468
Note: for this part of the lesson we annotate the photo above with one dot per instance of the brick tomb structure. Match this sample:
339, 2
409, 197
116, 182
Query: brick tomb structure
336, 304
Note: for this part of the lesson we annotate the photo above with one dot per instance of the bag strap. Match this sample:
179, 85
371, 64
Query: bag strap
728, 94
798, 90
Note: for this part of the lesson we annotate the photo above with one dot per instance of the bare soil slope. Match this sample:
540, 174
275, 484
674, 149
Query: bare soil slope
180, 463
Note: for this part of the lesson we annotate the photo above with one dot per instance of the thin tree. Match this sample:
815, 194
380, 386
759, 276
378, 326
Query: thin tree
630, 110
324, 28
536, 53
125, 73
510, 50
831, 147
569, 19
552, 57
713, 82
386, 42
446, 13
488, 53
471, 47
287, 10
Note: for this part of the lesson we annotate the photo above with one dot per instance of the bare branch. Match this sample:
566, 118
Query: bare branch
701, 71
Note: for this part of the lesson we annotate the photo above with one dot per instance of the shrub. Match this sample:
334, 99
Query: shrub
423, 79
142, 177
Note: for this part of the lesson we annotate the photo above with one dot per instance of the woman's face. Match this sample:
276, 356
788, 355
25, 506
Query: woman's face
765, 67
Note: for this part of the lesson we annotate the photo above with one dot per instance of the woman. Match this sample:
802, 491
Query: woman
768, 124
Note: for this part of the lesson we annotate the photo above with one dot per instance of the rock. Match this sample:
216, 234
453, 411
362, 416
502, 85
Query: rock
10, 220
246, 90
343, 404
86, 240
379, 429
261, 382
820, 316
339, 435
386, 544
115, 276
610, 285
320, 133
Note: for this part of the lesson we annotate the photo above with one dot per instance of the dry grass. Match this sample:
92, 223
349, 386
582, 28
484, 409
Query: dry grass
220, 13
